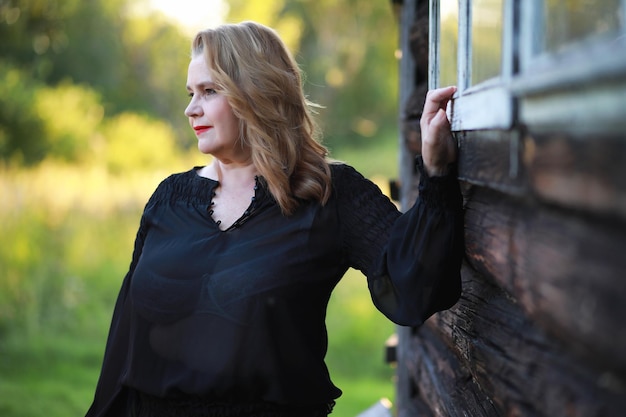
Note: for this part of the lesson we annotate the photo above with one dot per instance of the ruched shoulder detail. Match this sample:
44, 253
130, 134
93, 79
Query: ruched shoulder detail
365, 215
187, 187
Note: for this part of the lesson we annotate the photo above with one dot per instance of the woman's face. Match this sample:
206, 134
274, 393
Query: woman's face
211, 117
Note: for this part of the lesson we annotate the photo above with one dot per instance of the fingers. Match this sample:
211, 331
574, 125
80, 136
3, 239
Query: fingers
442, 94
435, 100
440, 120
438, 146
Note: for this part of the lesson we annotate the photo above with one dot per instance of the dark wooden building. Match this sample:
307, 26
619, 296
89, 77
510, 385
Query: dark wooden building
540, 118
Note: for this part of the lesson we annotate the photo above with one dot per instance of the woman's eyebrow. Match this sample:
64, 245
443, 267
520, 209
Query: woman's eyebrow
202, 85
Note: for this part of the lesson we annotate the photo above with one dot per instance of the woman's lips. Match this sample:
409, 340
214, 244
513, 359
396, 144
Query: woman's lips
201, 129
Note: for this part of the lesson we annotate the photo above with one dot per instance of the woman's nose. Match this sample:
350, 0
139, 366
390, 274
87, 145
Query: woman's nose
193, 109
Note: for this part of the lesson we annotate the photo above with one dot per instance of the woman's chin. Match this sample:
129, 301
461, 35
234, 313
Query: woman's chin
203, 148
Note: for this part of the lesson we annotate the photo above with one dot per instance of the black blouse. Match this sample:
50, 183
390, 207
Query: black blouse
239, 315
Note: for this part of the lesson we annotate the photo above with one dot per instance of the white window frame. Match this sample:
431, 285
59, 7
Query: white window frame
582, 89
534, 88
489, 104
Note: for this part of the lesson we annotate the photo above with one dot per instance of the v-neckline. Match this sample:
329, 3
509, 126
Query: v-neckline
247, 213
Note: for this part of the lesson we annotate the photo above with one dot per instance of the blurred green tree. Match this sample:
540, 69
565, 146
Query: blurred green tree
21, 129
133, 141
131, 62
350, 48
347, 51
71, 117
156, 56
136, 62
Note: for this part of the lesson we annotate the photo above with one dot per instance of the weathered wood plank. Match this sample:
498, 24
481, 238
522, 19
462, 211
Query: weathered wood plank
491, 158
576, 173
407, 403
538, 330
524, 372
587, 173
415, 408
566, 270
411, 120
413, 73
440, 383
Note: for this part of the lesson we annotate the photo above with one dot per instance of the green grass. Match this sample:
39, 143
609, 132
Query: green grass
357, 333
48, 375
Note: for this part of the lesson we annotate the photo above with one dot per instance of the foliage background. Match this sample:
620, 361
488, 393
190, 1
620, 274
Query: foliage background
91, 101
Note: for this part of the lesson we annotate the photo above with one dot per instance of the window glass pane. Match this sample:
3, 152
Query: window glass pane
448, 42
569, 21
486, 39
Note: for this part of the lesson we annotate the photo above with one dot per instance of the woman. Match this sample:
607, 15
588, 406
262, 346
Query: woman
222, 311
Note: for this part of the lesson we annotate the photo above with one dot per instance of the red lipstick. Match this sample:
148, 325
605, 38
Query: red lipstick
201, 129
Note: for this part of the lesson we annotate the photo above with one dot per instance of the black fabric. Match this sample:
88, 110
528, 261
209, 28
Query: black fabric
151, 406
238, 316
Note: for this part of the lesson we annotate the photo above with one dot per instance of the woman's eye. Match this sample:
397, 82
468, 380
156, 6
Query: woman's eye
207, 92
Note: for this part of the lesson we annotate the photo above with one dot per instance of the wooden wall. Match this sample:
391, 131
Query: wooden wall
540, 329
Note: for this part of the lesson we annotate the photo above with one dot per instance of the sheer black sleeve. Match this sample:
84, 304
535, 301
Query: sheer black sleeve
412, 261
111, 397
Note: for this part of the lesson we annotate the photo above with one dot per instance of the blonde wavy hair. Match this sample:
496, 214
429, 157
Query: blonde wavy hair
262, 82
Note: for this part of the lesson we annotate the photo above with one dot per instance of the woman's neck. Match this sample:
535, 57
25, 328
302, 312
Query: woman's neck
235, 192
230, 174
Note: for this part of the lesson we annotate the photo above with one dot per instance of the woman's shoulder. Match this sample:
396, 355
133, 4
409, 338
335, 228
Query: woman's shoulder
346, 177
354, 191
185, 186
342, 172
179, 177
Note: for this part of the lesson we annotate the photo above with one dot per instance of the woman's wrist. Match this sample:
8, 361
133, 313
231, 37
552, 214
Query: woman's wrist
437, 171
